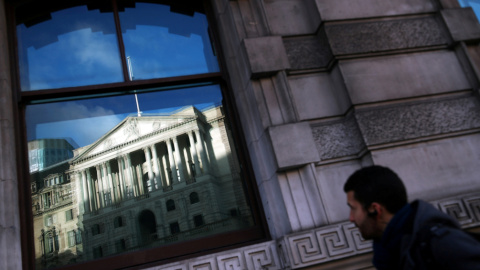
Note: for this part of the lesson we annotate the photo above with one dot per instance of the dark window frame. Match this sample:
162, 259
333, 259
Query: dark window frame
69, 215
170, 205
158, 255
194, 197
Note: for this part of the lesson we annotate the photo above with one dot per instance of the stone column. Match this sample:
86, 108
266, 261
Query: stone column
107, 194
203, 155
156, 167
164, 169
193, 148
128, 174
112, 188
131, 173
121, 178
178, 160
86, 200
171, 163
139, 176
101, 196
148, 159
92, 194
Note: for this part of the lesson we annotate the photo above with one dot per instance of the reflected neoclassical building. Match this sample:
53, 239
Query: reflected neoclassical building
57, 239
154, 180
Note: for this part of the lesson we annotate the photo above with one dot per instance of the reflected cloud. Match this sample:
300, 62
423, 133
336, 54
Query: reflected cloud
84, 125
91, 50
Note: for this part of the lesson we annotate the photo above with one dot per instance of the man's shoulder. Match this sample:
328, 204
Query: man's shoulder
440, 243
427, 215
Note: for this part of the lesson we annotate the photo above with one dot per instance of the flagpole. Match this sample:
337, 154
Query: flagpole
130, 73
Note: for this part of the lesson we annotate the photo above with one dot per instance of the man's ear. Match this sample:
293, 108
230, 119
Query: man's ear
374, 209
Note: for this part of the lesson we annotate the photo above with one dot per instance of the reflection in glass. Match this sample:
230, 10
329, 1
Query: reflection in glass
161, 43
134, 182
74, 47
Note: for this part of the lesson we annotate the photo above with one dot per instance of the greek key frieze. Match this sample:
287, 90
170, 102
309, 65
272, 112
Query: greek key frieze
326, 244
231, 261
465, 210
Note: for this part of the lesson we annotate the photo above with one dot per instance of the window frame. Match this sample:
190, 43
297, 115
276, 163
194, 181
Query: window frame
159, 255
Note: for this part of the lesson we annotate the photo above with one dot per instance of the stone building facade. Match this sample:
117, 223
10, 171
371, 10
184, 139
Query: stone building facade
322, 88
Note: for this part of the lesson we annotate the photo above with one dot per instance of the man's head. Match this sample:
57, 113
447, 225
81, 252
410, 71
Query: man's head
374, 195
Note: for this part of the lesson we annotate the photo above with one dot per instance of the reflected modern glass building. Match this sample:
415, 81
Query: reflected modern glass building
43, 153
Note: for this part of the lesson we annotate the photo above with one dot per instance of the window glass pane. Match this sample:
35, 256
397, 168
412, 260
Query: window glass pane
71, 47
130, 163
161, 43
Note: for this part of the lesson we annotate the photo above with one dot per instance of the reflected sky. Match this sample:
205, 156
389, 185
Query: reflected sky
78, 46
85, 121
161, 43
75, 47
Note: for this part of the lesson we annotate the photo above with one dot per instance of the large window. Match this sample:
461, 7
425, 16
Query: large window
129, 131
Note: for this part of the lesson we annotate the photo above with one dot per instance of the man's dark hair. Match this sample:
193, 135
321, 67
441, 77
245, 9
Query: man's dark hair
377, 184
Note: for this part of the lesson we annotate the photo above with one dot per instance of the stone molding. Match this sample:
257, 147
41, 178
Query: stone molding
406, 122
317, 246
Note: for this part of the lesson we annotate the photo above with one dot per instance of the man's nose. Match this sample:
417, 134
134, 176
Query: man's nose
351, 217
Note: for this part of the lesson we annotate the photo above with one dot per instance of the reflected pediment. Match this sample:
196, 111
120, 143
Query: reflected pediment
133, 128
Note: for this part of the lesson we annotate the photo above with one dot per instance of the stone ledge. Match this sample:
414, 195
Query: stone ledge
462, 23
291, 155
266, 55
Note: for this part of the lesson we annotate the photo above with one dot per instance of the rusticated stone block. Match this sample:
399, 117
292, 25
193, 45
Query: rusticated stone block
392, 124
308, 52
266, 55
338, 139
353, 38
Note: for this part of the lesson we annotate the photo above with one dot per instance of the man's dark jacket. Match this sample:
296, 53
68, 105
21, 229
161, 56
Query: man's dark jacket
422, 237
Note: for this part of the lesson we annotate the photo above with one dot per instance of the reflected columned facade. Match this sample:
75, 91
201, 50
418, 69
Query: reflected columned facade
151, 180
